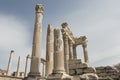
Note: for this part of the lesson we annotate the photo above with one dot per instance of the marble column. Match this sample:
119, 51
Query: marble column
58, 70
37, 42
18, 68
86, 59
58, 53
66, 53
74, 52
71, 50
49, 50
9, 63
26, 65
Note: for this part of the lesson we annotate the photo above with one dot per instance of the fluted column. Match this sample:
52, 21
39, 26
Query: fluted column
74, 52
9, 63
49, 50
71, 50
18, 68
37, 40
58, 53
86, 59
26, 65
66, 53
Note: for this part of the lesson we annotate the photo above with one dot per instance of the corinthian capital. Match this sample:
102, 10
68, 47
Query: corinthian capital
39, 8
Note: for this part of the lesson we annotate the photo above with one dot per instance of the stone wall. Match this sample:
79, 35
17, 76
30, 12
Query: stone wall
107, 72
9, 78
76, 67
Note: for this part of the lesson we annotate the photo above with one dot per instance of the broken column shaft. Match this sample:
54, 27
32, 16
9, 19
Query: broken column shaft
26, 65
9, 63
18, 68
58, 53
49, 50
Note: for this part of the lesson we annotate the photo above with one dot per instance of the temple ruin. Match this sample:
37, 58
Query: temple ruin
61, 61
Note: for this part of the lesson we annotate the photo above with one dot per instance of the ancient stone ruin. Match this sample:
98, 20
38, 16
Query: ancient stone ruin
61, 61
61, 57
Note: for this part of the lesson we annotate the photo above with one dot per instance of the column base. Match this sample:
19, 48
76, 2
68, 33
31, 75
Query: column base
58, 71
59, 76
33, 76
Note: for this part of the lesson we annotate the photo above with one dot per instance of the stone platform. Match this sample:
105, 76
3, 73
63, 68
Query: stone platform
83, 70
107, 72
59, 76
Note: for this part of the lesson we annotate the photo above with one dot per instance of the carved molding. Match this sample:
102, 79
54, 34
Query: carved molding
81, 40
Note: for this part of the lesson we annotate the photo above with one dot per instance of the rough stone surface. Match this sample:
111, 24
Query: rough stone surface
107, 72
89, 76
9, 78
60, 76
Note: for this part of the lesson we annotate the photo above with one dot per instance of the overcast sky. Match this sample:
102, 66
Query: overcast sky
99, 20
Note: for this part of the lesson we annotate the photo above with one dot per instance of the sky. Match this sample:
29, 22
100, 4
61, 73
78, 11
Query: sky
98, 20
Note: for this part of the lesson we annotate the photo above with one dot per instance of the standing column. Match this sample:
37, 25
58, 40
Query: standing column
37, 39
74, 52
26, 65
58, 53
59, 70
43, 69
49, 51
85, 52
9, 63
18, 68
66, 53
71, 50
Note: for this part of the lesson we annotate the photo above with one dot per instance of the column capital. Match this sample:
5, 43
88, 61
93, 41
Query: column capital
39, 8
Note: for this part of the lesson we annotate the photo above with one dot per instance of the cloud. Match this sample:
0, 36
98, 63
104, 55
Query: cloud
14, 35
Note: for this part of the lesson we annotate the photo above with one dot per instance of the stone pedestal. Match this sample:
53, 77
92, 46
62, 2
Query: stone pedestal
58, 71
